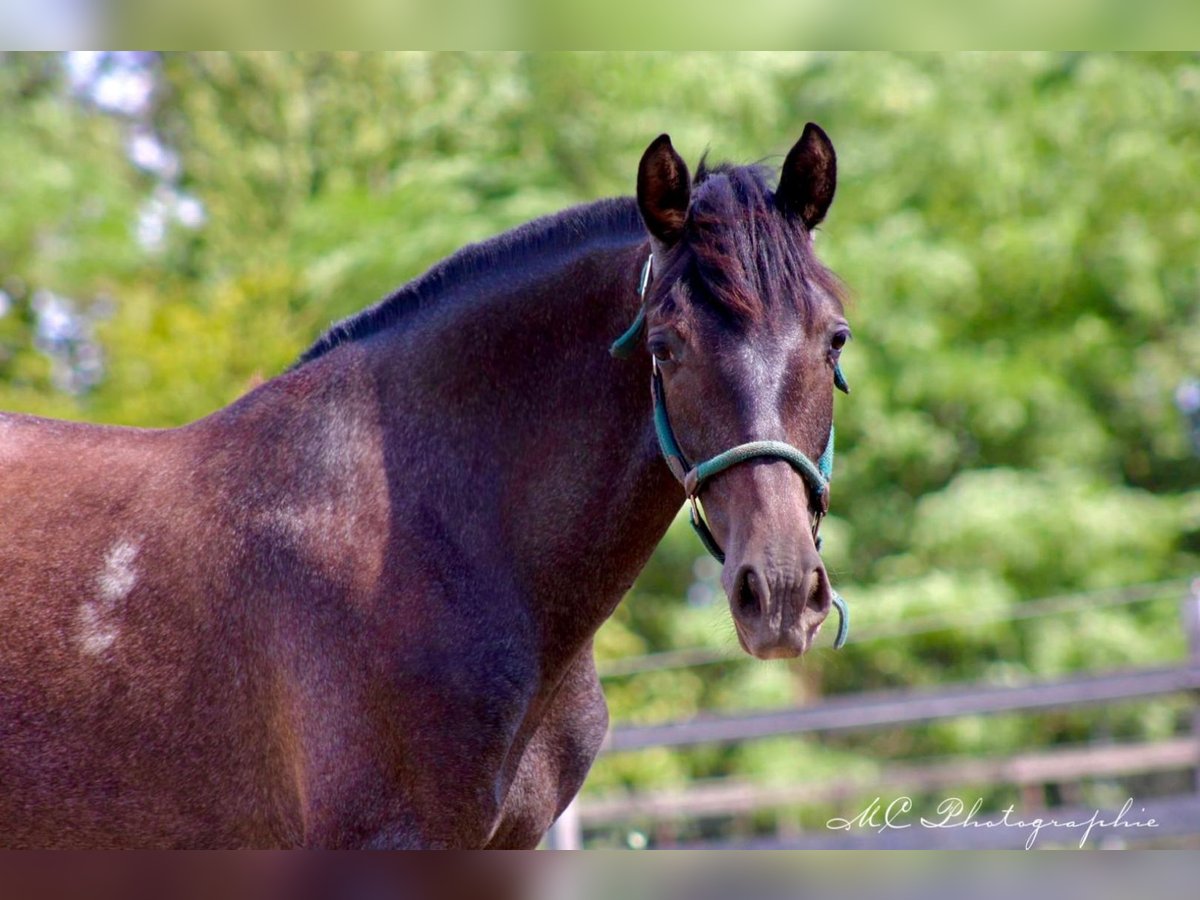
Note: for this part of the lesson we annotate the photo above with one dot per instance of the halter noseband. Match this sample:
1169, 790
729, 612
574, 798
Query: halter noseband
816, 475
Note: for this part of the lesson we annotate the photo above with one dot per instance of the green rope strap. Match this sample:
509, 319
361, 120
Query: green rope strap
624, 346
839, 380
825, 463
811, 471
671, 451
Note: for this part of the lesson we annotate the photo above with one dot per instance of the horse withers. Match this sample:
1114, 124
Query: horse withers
356, 607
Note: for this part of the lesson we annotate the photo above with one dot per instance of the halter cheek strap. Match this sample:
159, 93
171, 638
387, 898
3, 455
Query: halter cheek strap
816, 475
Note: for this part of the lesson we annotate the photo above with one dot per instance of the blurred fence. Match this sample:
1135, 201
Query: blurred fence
1176, 816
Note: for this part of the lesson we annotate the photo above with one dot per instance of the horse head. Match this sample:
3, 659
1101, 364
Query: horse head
745, 328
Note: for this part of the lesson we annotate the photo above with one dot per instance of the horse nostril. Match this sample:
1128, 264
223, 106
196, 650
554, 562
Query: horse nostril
820, 596
749, 603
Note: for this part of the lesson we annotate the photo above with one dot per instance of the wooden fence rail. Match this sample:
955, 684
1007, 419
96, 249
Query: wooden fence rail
893, 708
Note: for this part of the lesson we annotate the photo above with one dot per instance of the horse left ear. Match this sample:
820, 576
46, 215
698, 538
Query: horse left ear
809, 177
663, 190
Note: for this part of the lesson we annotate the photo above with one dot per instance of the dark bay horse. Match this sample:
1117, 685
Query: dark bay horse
356, 607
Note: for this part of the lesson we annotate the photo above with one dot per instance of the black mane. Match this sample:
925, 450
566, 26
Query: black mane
558, 232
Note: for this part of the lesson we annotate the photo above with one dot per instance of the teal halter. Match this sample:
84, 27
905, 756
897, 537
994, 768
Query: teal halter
816, 475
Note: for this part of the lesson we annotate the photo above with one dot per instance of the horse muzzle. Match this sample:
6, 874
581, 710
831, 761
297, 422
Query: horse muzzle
777, 611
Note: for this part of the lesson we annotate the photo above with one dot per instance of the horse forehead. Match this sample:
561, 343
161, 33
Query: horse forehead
759, 368
774, 343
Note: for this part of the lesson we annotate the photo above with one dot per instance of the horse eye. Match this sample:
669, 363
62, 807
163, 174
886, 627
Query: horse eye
839, 340
660, 351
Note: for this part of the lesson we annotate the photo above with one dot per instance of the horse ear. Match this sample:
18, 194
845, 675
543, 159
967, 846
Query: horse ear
663, 190
809, 177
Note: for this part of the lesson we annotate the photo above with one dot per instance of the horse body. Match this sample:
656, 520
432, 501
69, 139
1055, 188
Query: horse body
289, 623
356, 607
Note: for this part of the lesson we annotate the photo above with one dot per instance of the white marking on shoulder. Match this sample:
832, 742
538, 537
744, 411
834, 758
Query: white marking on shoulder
118, 577
95, 636
98, 628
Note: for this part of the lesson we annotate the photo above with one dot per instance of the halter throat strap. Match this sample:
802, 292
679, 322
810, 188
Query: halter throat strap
623, 347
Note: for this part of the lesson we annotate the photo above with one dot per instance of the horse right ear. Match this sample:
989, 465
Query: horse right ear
809, 177
663, 190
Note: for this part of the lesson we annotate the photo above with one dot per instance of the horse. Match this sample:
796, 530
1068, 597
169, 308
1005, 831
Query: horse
356, 607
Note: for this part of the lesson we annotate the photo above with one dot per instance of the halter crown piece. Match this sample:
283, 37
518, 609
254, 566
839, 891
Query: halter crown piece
817, 475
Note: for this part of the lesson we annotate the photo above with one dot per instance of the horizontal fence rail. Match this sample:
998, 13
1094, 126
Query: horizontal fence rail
864, 711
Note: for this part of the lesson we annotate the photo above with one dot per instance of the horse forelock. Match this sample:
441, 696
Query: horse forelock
744, 254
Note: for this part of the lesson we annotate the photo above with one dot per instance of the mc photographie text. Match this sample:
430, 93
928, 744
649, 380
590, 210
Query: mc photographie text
953, 812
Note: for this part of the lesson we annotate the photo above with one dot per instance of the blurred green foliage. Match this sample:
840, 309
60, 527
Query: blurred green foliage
1019, 232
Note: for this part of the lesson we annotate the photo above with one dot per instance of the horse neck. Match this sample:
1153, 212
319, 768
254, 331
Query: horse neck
504, 411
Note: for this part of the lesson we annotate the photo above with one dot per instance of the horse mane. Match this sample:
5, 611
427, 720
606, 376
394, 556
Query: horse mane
726, 262
559, 232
